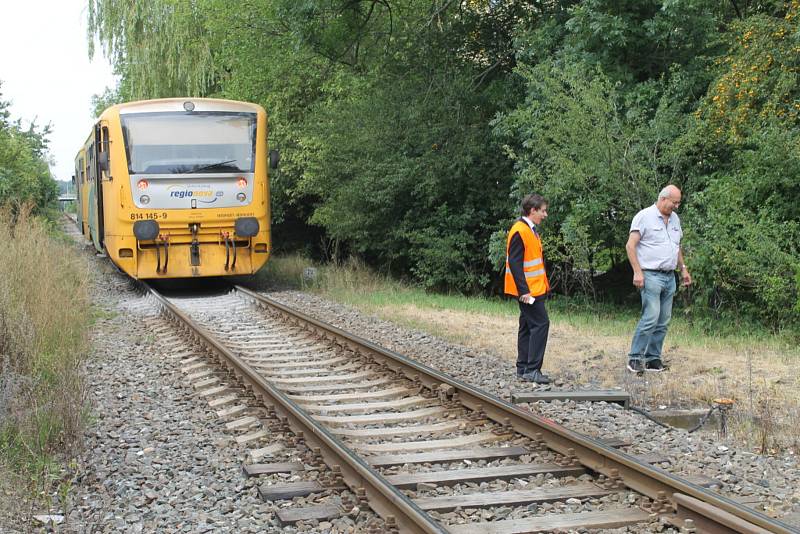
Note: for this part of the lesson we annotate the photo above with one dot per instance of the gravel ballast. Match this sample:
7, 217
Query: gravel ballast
770, 484
158, 459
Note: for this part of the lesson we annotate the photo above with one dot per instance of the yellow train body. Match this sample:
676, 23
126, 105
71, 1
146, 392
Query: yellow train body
176, 188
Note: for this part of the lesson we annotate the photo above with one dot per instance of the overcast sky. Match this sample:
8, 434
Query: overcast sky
46, 72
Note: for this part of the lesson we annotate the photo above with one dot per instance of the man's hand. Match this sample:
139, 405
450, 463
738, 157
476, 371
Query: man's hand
630, 247
687, 278
527, 299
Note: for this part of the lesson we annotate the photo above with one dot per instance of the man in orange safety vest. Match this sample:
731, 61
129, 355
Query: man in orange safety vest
526, 279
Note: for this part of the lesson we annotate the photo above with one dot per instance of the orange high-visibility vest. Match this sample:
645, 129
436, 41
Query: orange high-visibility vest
532, 262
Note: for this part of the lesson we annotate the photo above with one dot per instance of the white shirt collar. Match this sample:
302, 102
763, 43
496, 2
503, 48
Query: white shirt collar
530, 223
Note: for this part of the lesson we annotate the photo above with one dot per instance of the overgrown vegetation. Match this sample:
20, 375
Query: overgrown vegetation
43, 331
24, 171
43, 343
410, 130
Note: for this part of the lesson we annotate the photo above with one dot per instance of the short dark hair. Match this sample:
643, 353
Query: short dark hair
532, 201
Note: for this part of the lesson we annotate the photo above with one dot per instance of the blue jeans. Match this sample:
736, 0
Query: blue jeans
648, 339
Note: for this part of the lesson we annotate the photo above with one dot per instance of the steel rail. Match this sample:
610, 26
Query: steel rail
385, 499
654, 482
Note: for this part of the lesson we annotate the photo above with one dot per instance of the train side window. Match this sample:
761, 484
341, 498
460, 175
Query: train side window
103, 155
104, 147
92, 170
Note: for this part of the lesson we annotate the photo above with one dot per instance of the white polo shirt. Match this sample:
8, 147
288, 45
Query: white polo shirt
660, 243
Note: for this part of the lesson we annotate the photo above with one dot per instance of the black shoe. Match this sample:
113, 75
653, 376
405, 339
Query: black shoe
635, 366
537, 377
655, 365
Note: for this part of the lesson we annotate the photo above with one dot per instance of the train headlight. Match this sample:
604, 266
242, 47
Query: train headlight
246, 226
144, 199
242, 183
142, 185
241, 197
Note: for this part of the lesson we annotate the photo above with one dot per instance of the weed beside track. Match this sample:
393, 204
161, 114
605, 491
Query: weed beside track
44, 320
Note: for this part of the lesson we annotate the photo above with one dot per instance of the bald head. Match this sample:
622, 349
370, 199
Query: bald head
668, 199
669, 191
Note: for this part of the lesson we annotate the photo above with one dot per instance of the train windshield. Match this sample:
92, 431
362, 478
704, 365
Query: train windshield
189, 143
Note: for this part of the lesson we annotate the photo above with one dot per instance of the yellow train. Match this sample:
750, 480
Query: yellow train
177, 187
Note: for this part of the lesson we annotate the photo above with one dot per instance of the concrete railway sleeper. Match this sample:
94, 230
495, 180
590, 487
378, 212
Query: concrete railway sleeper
424, 451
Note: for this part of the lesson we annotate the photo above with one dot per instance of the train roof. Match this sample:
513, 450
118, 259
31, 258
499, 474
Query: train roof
182, 104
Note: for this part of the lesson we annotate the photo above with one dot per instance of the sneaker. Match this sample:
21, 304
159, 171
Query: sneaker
655, 365
536, 377
635, 366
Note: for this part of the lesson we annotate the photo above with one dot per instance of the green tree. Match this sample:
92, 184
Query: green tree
24, 170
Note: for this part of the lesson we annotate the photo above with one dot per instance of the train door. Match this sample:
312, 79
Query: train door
84, 179
80, 190
77, 185
100, 164
95, 192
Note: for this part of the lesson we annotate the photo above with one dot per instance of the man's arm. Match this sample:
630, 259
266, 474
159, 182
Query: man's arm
687, 278
516, 252
630, 247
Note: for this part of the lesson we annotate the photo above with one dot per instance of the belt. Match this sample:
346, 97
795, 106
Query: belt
664, 271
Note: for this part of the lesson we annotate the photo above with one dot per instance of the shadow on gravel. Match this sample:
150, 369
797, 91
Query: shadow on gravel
194, 287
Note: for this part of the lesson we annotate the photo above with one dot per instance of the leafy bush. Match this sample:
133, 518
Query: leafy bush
745, 233
24, 171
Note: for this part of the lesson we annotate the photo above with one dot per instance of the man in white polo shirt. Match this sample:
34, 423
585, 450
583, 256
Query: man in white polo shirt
654, 250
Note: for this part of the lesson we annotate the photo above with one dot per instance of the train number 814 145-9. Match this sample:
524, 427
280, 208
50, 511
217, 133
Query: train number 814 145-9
153, 216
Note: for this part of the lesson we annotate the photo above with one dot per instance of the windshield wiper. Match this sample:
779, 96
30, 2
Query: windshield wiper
215, 164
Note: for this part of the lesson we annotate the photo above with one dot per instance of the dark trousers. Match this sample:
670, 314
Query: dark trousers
532, 337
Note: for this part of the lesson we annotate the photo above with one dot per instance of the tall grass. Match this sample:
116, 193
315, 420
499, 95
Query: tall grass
352, 282
44, 309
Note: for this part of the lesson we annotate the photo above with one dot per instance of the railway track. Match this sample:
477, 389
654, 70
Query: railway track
425, 452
